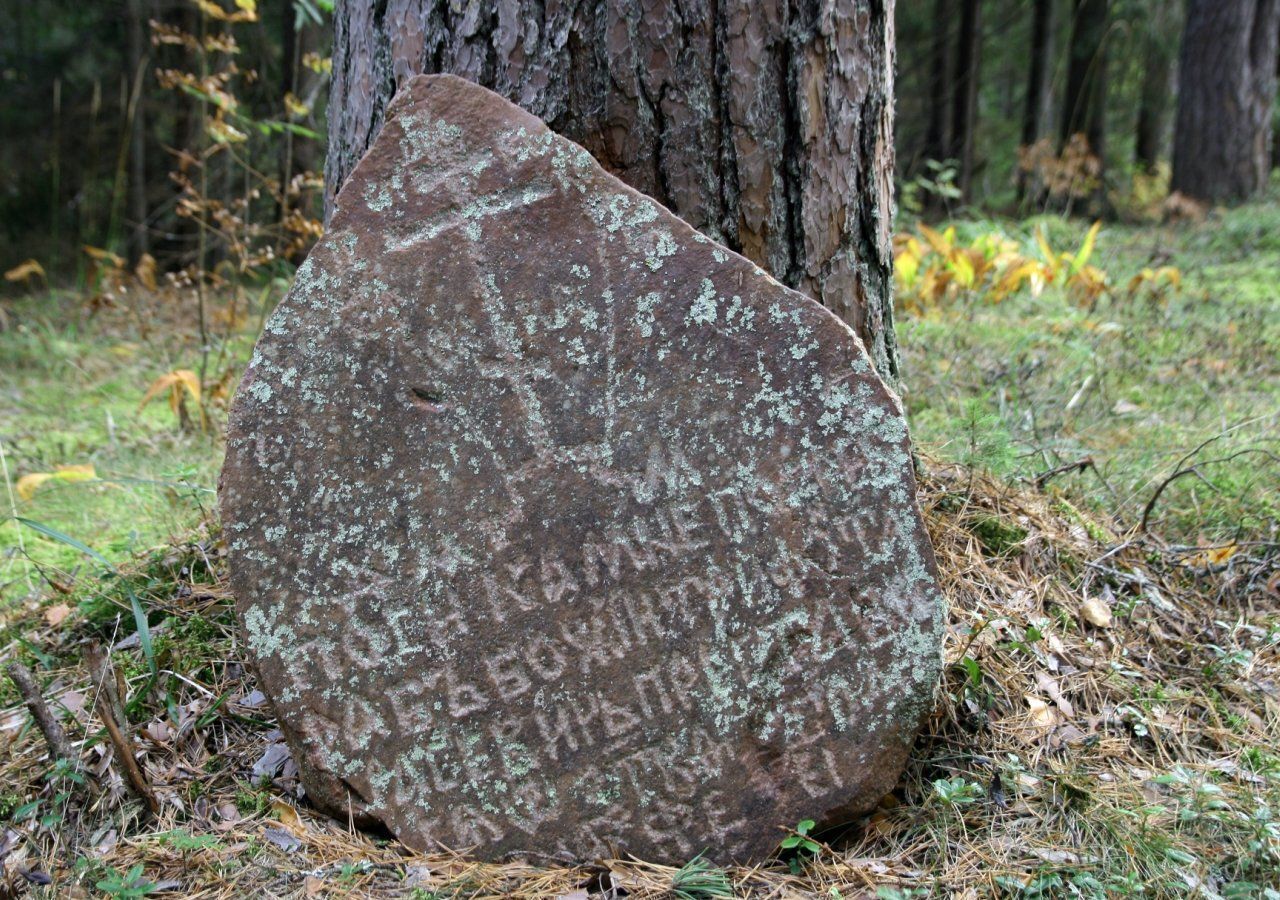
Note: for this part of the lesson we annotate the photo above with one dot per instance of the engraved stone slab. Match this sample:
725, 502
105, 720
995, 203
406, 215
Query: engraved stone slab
557, 527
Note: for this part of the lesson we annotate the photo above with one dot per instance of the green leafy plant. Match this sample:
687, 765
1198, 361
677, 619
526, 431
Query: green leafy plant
957, 791
700, 880
130, 884
800, 845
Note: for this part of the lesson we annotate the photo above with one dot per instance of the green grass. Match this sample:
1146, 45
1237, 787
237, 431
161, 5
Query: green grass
1029, 384
70, 386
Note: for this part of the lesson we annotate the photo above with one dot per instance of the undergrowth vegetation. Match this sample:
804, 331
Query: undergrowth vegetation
1098, 412
1137, 362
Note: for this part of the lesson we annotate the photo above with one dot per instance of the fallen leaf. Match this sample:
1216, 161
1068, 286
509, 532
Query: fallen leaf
158, 731
271, 761
1041, 714
282, 839
56, 613
1096, 611
287, 815
313, 885
416, 876
252, 700
1050, 687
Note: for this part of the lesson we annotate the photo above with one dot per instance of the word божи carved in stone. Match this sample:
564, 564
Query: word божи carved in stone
557, 527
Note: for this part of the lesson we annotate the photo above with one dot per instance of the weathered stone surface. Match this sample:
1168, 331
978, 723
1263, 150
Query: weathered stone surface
556, 527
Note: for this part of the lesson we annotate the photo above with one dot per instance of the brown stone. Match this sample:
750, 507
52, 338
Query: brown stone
558, 528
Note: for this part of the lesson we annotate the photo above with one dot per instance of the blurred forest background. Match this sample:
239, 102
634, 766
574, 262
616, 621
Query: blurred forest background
126, 125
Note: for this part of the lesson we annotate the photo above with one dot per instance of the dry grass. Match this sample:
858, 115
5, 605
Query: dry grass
1066, 757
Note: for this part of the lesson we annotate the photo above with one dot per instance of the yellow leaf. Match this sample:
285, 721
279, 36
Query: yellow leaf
175, 382
963, 270
212, 10
249, 6
286, 814
906, 267
145, 271
106, 256
1086, 249
321, 65
24, 270
1096, 611
27, 485
223, 132
1050, 258
937, 242
1218, 555
295, 106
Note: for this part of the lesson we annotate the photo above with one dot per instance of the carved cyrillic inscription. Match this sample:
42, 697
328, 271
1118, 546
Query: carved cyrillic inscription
556, 527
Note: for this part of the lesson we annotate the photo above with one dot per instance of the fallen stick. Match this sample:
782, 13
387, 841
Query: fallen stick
108, 703
50, 727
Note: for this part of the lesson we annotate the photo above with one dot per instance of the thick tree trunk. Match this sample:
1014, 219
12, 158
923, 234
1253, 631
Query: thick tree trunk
964, 112
767, 125
1227, 84
1084, 106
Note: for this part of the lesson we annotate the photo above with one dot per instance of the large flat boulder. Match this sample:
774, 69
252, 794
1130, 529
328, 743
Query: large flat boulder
557, 527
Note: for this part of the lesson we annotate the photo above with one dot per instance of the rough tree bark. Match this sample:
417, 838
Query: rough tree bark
1227, 83
766, 125
964, 113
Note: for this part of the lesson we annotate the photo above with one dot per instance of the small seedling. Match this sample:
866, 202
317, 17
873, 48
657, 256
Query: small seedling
957, 791
699, 880
126, 886
801, 844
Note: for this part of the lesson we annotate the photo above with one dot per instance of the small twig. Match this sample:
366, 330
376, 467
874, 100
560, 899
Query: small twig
110, 709
48, 724
1079, 465
1194, 469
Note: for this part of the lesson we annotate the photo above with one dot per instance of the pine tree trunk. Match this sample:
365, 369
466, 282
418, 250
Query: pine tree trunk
1084, 106
1037, 99
139, 239
937, 131
964, 112
1160, 39
1227, 84
768, 126
1036, 102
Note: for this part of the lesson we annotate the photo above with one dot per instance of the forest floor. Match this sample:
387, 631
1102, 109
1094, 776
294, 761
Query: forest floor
1110, 716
